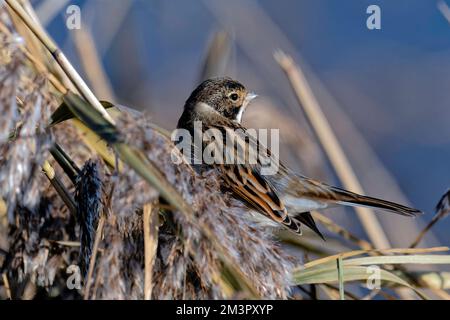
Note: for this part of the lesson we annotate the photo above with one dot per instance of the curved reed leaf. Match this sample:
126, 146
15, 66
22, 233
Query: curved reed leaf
350, 273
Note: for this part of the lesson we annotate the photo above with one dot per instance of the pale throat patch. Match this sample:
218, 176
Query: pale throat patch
240, 113
250, 96
204, 107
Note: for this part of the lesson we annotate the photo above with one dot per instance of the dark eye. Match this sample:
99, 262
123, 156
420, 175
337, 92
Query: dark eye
234, 96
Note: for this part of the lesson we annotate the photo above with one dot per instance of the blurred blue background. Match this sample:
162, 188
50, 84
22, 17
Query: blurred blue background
393, 83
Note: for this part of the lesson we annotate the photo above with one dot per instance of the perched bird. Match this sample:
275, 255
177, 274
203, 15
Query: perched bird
284, 197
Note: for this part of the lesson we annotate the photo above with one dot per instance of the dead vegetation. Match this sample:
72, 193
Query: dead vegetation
101, 192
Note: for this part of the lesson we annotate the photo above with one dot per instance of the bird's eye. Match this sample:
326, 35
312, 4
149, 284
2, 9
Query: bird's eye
234, 96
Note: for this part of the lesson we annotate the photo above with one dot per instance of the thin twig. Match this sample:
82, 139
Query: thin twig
340, 277
335, 228
64, 161
98, 236
333, 150
150, 221
59, 187
66, 243
432, 280
6, 285
419, 238
331, 145
442, 210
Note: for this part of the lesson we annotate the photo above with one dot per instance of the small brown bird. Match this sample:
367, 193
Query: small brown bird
285, 197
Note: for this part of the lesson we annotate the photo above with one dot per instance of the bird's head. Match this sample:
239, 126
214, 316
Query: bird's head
225, 96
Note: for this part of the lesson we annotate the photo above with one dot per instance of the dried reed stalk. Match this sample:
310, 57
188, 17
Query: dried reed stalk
59, 187
333, 150
150, 221
70, 71
98, 237
6, 285
442, 210
331, 145
92, 64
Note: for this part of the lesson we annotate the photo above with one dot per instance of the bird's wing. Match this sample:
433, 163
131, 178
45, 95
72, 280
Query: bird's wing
243, 176
251, 187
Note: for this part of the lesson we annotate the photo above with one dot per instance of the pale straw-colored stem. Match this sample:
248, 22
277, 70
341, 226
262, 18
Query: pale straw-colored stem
70, 71
6, 285
92, 65
333, 151
93, 259
331, 146
150, 221
427, 228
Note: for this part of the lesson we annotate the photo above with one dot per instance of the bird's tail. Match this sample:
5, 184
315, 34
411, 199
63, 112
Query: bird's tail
348, 198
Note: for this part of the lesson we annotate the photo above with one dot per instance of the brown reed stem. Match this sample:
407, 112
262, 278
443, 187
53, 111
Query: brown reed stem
6, 285
419, 238
150, 221
331, 145
69, 70
98, 237
92, 64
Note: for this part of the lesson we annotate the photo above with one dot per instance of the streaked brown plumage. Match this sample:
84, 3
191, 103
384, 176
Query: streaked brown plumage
285, 197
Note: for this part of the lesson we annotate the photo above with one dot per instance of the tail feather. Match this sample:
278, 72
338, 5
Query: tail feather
352, 199
307, 219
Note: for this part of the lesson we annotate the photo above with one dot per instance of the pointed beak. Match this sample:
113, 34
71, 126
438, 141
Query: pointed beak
250, 96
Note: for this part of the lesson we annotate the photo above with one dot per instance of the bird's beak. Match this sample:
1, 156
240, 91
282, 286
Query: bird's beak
250, 96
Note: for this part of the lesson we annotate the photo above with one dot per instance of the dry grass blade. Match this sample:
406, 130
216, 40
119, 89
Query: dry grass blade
60, 58
65, 162
400, 259
442, 210
59, 187
332, 148
98, 236
379, 251
92, 65
68, 243
340, 277
330, 274
6, 285
335, 228
432, 280
150, 221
